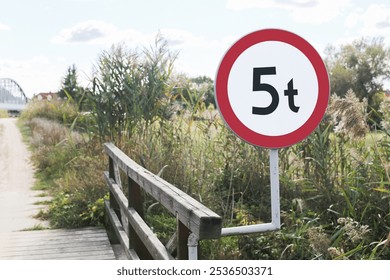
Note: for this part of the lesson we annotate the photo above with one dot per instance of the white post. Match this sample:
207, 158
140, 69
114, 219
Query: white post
193, 247
275, 204
275, 195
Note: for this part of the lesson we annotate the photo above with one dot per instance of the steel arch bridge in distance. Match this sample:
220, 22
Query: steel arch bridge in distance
12, 96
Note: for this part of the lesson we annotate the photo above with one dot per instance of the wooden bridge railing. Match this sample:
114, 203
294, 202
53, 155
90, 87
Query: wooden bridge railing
194, 221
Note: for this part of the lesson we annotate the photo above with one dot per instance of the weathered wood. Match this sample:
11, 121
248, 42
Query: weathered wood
113, 202
196, 217
135, 201
144, 233
182, 239
75, 244
120, 232
172, 244
135, 197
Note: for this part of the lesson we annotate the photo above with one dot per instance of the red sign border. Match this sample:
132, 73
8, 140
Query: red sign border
221, 88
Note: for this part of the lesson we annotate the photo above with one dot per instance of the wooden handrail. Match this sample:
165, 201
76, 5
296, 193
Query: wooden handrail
193, 218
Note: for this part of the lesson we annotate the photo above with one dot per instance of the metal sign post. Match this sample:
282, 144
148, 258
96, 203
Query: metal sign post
275, 203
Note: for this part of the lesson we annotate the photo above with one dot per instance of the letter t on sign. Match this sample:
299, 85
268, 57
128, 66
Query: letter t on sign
290, 92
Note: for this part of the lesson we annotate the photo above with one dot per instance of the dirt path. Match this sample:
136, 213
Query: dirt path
16, 179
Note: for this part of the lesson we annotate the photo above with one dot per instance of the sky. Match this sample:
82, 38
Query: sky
40, 39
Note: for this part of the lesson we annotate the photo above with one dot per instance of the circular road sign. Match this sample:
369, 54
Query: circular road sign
272, 88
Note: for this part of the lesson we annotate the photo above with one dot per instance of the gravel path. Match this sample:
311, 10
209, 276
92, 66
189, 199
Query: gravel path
16, 179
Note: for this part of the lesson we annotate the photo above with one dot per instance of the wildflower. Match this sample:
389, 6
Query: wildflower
319, 240
385, 110
349, 115
336, 253
352, 229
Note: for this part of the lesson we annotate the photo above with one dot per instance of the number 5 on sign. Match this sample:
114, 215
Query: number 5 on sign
258, 86
272, 88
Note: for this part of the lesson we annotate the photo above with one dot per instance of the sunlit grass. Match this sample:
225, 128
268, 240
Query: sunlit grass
3, 114
374, 137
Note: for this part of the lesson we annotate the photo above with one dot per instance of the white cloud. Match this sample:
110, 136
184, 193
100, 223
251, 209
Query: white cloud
353, 19
373, 21
34, 75
376, 21
282, 4
304, 11
85, 32
4, 27
102, 33
181, 38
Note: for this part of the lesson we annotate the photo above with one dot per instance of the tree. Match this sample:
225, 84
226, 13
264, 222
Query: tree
70, 87
69, 83
361, 66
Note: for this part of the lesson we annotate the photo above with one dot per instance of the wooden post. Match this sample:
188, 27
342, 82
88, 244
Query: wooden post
113, 204
136, 201
182, 240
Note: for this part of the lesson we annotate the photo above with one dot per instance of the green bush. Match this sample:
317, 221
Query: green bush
55, 110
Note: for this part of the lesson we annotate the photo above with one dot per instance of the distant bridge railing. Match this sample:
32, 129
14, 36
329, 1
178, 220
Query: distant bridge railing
194, 221
12, 96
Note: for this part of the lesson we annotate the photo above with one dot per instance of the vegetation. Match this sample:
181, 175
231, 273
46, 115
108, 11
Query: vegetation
70, 88
361, 66
129, 88
3, 114
335, 185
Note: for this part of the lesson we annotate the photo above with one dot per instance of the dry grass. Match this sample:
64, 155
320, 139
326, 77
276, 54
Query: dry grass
46, 132
385, 110
349, 115
3, 114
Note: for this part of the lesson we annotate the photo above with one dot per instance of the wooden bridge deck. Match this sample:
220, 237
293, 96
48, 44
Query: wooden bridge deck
60, 244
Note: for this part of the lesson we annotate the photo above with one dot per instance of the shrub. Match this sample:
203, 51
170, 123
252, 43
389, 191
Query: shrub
55, 110
130, 88
72, 167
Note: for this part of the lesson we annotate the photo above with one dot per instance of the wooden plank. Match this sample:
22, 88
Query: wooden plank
135, 201
199, 219
152, 243
172, 244
80, 231
83, 252
62, 235
113, 202
63, 256
149, 239
31, 250
58, 239
41, 240
98, 249
58, 234
120, 232
73, 244
44, 242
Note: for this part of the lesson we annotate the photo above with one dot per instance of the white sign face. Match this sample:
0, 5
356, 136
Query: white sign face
270, 92
283, 119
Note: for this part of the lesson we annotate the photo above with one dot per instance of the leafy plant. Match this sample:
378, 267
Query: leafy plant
130, 88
